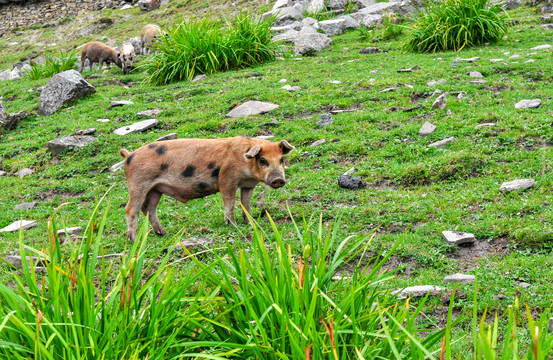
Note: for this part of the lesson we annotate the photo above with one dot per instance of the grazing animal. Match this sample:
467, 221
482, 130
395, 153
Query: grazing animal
186, 169
96, 52
148, 35
127, 56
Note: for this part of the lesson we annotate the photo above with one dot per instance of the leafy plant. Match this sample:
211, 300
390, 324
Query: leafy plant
389, 29
53, 65
455, 24
364, 33
205, 46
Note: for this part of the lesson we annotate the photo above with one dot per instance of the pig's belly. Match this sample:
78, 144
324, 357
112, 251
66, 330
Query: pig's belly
188, 191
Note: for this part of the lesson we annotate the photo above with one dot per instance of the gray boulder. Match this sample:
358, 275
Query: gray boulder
309, 21
286, 14
371, 20
333, 27
61, 89
282, 3
3, 112
315, 6
56, 146
251, 108
309, 42
11, 121
287, 36
349, 22
336, 4
10, 74
148, 5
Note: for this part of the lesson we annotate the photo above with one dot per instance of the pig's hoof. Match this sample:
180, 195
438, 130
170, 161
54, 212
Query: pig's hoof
161, 232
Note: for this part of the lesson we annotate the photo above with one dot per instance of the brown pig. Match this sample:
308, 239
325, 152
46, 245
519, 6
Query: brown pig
96, 52
186, 169
148, 35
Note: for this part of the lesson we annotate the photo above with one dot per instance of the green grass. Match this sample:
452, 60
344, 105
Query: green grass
414, 192
54, 64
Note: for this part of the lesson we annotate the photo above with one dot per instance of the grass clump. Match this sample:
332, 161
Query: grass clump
206, 46
53, 65
389, 29
455, 24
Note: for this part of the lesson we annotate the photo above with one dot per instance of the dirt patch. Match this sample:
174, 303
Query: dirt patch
469, 254
50, 194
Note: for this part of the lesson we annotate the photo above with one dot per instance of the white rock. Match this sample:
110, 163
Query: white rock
460, 278
484, 125
434, 83
440, 103
199, 77
547, 26
416, 291
282, 80
350, 171
103, 120
476, 74
136, 127
291, 88
265, 137
528, 104
542, 47
282, 3
427, 129
442, 143
70, 231
517, 184
171, 136
126, 7
333, 27
495, 60
318, 142
19, 225
529, 61
335, 82
149, 113
515, 56
457, 237
24, 172
251, 108
120, 103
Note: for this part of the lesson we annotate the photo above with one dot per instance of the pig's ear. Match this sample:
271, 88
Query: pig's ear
253, 152
286, 147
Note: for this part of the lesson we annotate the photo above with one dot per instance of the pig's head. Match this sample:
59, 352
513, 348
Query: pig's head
268, 162
126, 61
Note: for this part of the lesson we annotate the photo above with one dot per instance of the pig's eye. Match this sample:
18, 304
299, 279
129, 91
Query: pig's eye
263, 162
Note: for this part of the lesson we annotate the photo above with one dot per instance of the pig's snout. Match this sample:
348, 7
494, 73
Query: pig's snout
278, 183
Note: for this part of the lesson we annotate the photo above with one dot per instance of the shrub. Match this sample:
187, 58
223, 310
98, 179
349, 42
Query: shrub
205, 46
455, 24
53, 65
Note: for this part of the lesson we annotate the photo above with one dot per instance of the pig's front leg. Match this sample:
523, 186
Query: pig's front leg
245, 198
229, 197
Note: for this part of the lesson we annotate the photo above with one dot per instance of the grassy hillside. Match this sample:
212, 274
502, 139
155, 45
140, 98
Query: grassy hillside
414, 192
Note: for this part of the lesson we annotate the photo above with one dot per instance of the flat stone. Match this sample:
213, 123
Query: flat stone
149, 113
460, 278
2, 173
19, 225
190, 243
440, 102
103, 120
412, 68
393, 88
469, 60
318, 143
542, 47
418, 291
427, 129
282, 80
524, 285
171, 136
282, 3
484, 125
89, 131
126, 7
434, 83
442, 143
332, 27
199, 77
25, 206
369, 50
325, 120
136, 127
476, 74
457, 237
528, 104
291, 88
517, 184
3, 113
495, 60
350, 171
120, 103
265, 137
70, 231
529, 61
56, 146
24, 172
251, 107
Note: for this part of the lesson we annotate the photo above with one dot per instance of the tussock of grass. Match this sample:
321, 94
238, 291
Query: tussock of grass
53, 65
456, 24
206, 46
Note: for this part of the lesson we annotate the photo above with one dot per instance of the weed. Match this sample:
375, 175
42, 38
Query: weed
53, 65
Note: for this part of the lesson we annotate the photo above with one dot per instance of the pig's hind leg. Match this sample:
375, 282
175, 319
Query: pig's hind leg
132, 210
149, 208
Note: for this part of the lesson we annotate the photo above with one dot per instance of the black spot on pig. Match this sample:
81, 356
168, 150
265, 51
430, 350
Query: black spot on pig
152, 146
201, 188
161, 150
129, 159
189, 171
164, 167
215, 173
211, 165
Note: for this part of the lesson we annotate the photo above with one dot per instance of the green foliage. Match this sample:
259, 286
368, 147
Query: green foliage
456, 24
206, 46
53, 65
389, 29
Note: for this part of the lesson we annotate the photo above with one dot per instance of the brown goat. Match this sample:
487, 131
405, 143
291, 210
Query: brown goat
96, 52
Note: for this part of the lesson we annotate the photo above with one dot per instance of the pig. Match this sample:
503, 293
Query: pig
148, 35
96, 52
127, 56
186, 169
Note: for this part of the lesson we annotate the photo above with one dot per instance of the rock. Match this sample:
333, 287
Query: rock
457, 237
282, 3
310, 42
148, 5
547, 8
318, 142
349, 22
546, 18
291, 88
10, 74
434, 83
460, 278
517, 184
547, 26
56, 146
528, 104
350, 171
282, 80
12, 120
442, 143
369, 50
89, 131
2, 173
476, 74
199, 77
251, 107
17, 262
393, 88
69, 232
24, 172
412, 68
19, 225
336, 4
484, 125
350, 182
515, 56
171, 136
117, 166
149, 113
413, 108
479, 81
524, 285
287, 36
542, 47
315, 6
335, 82
265, 137
308, 21
500, 297
325, 120
136, 127
427, 129
61, 89
512, 4
126, 7
417, 291
469, 60
25, 206
3, 113
440, 102
529, 61
103, 120
285, 14
333, 27
370, 20
495, 60
120, 103
190, 243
